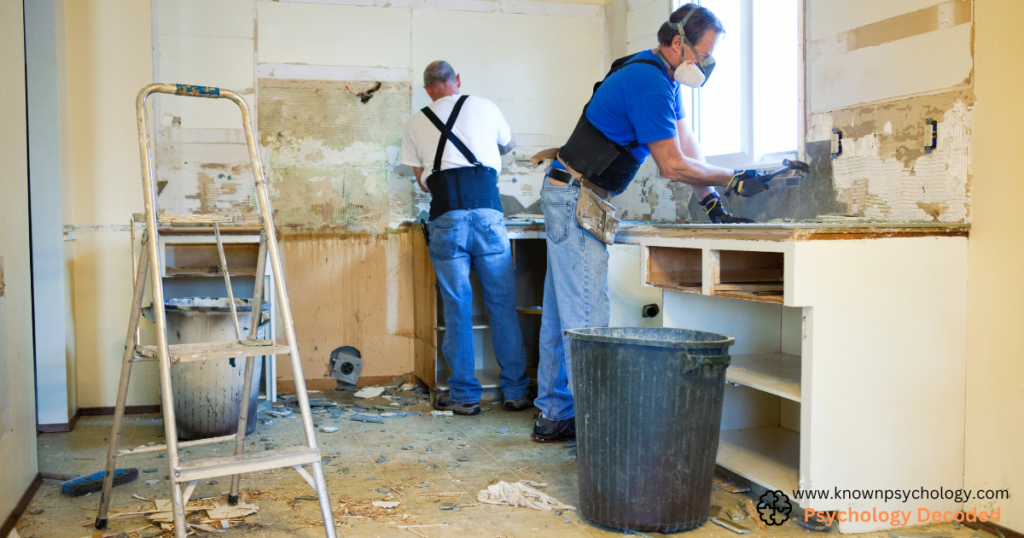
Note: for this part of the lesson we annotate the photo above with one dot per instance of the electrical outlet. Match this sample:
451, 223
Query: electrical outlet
837, 142
931, 135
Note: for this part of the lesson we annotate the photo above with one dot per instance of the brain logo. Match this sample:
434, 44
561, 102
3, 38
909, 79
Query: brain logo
774, 508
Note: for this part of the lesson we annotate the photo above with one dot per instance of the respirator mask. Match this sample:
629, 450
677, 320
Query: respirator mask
692, 74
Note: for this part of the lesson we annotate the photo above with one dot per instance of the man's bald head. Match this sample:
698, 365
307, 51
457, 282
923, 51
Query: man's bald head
440, 80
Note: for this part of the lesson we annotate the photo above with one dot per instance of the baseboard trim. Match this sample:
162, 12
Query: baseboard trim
993, 528
327, 384
19, 509
128, 410
60, 428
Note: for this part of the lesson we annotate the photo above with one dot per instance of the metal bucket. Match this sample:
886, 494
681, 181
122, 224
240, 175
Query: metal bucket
208, 394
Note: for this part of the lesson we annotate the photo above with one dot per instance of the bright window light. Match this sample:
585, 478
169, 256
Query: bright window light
747, 115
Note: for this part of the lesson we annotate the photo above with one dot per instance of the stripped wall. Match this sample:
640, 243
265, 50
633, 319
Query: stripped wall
339, 195
877, 71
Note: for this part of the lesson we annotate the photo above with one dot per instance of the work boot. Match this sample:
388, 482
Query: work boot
553, 431
518, 405
443, 402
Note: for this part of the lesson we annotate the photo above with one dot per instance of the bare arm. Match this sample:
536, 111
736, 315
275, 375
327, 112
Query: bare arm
688, 144
677, 166
508, 147
418, 170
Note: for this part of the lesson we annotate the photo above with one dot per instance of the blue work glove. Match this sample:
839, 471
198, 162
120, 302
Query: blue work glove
712, 204
748, 183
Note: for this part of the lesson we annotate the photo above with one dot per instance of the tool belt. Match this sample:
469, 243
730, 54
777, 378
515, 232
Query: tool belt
593, 211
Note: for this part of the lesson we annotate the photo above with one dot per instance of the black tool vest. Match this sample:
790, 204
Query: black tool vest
468, 187
600, 160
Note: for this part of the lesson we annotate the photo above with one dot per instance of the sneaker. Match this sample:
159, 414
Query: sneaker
518, 405
443, 402
553, 431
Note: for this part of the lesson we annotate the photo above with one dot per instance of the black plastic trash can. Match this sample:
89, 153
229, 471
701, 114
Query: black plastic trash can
648, 412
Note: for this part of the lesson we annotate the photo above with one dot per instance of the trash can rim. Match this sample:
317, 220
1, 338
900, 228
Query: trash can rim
593, 334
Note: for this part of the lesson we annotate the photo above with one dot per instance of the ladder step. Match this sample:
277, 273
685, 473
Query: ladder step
246, 463
183, 444
209, 351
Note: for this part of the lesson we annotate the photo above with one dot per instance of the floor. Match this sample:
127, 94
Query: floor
496, 444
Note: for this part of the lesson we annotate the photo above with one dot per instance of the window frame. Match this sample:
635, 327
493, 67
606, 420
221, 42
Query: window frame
749, 158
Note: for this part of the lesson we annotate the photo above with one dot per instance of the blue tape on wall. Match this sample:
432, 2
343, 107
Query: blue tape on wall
197, 91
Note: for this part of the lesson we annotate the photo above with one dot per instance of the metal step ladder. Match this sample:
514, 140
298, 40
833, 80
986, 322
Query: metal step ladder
186, 475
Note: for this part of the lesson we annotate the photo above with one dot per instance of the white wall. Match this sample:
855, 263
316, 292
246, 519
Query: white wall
109, 51
48, 171
995, 371
18, 440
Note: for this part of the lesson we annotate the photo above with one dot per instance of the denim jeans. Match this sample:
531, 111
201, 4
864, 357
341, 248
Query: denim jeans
575, 296
476, 238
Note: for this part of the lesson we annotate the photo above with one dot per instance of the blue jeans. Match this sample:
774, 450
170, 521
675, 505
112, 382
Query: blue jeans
476, 238
575, 296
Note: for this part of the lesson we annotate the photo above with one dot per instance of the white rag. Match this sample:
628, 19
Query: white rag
520, 494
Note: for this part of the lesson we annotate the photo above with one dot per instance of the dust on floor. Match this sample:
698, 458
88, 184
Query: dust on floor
414, 456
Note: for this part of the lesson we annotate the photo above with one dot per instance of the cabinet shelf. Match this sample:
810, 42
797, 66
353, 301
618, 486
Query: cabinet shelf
479, 322
774, 373
769, 457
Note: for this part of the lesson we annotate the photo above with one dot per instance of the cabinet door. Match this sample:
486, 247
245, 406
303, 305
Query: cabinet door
626, 293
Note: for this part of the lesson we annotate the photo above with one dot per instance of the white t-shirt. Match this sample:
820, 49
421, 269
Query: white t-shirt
480, 126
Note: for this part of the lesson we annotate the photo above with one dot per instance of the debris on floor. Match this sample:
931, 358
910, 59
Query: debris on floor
369, 392
738, 529
386, 504
520, 494
729, 486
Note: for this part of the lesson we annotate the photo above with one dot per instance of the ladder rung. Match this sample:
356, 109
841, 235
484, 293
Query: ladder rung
162, 448
245, 463
209, 351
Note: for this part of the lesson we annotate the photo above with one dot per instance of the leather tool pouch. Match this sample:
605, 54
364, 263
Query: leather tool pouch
596, 216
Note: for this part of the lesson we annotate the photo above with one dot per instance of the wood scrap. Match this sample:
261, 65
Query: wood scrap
729, 486
752, 512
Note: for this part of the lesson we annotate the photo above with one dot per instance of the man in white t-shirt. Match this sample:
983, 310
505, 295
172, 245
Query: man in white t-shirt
467, 230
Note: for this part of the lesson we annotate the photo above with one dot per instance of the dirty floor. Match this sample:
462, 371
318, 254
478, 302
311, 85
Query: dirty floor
363, 458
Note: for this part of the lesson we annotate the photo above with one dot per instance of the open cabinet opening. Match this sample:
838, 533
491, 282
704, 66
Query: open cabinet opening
675, 268
741, 274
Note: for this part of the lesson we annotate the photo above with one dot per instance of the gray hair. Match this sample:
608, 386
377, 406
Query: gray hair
439, 72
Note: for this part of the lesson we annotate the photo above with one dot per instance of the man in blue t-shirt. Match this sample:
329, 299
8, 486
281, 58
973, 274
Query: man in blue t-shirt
636, 111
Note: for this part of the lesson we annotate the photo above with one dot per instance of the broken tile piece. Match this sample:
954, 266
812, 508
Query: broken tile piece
383, 491
386, 504
503, 431
369, 392
463, 458
407, 447
441, 414
328, 429
453, 464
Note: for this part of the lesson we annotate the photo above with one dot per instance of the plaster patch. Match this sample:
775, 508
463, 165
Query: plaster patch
888, 177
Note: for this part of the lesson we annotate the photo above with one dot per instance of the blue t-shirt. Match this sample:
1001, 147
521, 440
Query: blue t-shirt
637, 102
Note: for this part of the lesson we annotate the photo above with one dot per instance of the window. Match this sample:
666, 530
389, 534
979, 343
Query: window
748, 113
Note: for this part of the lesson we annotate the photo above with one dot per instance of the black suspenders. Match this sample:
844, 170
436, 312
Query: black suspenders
447, 134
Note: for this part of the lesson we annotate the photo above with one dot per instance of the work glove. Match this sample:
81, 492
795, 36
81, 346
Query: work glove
748, 183
712, 204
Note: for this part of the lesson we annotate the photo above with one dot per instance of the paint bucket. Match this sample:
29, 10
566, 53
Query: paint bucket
648, 412
208, 394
